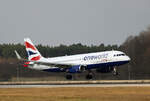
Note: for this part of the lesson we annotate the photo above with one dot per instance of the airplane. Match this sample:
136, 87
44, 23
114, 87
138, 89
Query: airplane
104, 62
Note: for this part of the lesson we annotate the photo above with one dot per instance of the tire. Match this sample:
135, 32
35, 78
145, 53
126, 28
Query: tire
89, 77
115, 73
69, 77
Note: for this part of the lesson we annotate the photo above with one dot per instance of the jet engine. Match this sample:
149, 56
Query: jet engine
76, 69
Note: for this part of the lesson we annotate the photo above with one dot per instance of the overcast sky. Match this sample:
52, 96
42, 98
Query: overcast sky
54, 22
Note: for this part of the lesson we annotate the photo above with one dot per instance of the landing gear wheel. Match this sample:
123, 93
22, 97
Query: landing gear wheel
115, 73
89, 76
69, 77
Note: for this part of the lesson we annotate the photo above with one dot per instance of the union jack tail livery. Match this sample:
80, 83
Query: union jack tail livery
33, 53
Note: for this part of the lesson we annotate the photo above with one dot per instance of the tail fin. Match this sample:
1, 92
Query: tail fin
33, 53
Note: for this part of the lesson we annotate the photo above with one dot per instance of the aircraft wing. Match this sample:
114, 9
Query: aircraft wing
52, 64
19, 57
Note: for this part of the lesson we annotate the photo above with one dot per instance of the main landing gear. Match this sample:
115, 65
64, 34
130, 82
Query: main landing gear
90, 75
69, 77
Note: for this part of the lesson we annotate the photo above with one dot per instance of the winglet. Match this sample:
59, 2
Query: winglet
18, 56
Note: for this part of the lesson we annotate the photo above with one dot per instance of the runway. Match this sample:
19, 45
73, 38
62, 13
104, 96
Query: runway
75, 85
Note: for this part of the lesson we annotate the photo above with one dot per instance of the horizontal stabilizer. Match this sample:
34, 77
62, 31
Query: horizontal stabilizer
18, 56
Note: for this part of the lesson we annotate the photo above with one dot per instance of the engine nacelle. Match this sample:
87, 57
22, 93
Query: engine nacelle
75, 69
105, 69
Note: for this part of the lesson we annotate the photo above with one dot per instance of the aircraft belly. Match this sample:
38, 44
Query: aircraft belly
108, 64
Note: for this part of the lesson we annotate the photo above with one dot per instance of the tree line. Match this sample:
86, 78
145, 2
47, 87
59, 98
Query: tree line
7, 50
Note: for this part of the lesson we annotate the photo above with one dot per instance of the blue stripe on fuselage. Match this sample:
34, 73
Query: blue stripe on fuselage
108, 64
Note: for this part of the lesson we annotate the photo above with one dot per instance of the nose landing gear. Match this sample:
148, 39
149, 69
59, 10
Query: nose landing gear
115, 72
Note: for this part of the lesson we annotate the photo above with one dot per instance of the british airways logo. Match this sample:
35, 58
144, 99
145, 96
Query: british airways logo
95, 57
31, 53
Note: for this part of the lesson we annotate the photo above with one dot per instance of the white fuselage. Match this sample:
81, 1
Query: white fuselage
84, 59
90, 58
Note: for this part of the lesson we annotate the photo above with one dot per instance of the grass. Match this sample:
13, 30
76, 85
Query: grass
76, 94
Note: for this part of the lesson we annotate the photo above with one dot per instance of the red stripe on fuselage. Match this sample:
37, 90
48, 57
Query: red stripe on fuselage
36, 58
28, 45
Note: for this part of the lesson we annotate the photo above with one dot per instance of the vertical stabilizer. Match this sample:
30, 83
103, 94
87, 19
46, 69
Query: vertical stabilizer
33, 53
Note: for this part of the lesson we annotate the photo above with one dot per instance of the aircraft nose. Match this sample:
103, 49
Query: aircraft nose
128, 58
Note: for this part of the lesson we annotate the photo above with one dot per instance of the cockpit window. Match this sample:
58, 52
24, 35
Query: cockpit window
119, 55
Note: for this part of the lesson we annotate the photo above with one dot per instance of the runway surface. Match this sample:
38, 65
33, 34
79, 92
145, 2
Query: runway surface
75, 85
